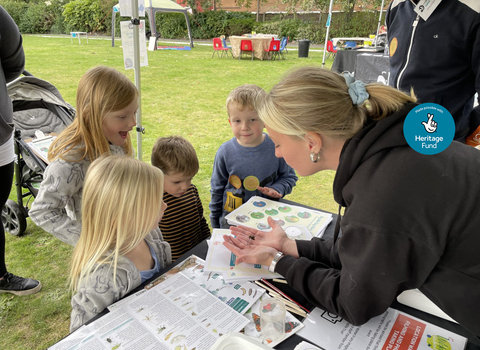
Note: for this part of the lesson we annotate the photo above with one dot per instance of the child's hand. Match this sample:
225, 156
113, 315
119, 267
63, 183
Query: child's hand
269, 192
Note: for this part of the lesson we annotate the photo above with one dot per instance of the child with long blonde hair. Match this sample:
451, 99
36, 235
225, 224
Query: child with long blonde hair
120, 245
107, 102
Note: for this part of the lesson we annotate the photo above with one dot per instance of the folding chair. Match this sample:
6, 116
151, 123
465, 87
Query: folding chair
246, 46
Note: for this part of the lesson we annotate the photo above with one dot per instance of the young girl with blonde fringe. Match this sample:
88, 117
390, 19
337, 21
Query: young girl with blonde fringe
107, 102
120, 245
410, 220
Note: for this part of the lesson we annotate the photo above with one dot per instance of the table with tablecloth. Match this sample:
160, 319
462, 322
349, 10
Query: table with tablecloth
366, 66
259, 43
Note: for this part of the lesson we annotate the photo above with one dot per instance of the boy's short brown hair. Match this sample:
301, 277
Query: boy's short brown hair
245, 96
175, 155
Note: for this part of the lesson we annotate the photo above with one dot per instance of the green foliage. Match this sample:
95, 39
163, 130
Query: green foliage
171, 25
85, 15
313, 31
289, 27
15, 9
37, 19
268, 27
361, 24
239, 26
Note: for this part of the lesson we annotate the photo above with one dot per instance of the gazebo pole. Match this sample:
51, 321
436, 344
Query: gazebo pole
329, 21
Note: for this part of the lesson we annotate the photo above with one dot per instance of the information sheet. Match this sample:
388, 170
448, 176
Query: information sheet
393, 330
297, 222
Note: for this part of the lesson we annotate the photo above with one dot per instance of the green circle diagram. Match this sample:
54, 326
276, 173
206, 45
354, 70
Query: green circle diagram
271, 212
304, 215
285, 209
257, 215
292, 219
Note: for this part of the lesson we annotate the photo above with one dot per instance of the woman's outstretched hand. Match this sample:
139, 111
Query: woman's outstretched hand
249, 253
276, 238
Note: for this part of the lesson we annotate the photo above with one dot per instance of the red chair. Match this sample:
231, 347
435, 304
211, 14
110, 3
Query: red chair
218, 47
331, 49
246, 46
273, 50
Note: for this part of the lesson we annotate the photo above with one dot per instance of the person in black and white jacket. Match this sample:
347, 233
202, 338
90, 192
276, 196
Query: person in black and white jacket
438, 56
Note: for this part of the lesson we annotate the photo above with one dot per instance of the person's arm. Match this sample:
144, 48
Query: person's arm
204, 229
370, 269
218, 183
286, 179
61, 186
12, 57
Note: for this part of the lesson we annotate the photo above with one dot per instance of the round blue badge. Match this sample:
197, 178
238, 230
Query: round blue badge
429, 128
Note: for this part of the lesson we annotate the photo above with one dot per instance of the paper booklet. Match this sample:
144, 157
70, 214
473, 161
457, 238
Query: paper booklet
40, 147
239, 296
298, 222
174, 314
219, 259
393, 330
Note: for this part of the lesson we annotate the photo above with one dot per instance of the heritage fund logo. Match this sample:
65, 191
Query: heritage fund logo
429, 128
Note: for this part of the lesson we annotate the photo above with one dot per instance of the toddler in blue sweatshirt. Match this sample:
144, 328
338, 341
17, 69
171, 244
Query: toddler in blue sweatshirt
246, 165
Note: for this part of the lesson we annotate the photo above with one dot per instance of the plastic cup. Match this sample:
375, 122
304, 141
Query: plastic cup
272, 320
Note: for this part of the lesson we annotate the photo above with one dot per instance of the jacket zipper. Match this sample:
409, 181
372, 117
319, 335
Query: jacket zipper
414, 25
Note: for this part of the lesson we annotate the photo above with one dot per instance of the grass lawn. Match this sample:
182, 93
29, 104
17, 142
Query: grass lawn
183, 93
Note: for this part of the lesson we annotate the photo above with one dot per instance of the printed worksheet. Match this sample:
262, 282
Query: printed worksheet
175, 314
297, 222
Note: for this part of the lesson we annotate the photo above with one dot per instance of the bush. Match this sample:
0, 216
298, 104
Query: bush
37, 19
15, 9
85, 15
268, 27
171, 25
289, 27
312, 31
239, 26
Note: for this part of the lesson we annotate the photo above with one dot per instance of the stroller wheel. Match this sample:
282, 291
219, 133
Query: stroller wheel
13, 218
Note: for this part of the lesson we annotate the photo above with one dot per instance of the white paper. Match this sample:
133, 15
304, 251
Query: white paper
40, 147
391, 330
220, 259
239, 296
128, 47
175, 314
126, 8
256, 210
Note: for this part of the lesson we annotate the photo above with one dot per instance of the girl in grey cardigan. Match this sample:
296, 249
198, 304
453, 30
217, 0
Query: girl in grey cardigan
107, 102
120, 245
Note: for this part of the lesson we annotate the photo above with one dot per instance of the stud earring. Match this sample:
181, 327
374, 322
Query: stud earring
314, 157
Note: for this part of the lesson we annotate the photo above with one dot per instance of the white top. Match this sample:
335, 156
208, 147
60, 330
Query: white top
7, 153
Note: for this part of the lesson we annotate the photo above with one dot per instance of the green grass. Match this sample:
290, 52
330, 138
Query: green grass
183, 93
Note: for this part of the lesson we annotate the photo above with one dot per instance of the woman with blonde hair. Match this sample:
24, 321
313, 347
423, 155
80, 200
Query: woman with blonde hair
120, 245
107, 102
410, 220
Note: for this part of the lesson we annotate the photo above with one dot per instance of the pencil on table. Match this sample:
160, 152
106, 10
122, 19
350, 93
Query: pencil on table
279, 280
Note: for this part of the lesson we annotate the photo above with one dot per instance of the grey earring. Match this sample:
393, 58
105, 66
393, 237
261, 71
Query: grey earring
314, 157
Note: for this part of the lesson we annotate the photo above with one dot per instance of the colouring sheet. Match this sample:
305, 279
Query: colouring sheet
298, 223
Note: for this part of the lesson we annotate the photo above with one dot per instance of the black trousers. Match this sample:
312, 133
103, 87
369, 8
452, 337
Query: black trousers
6, 177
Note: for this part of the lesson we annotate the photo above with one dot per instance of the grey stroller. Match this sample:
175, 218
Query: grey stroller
37, 105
